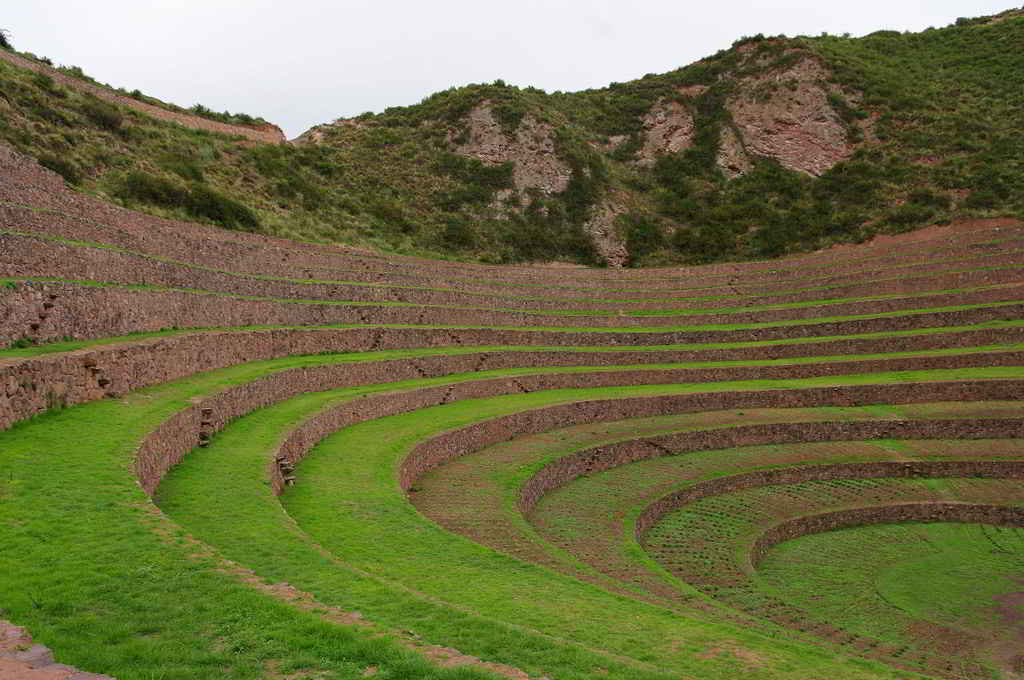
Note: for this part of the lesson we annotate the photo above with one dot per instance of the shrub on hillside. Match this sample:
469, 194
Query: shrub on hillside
458, 234
141, 186
205, 202
197, 200
5, 39
642, 235
63, 167
182, 166
106, 116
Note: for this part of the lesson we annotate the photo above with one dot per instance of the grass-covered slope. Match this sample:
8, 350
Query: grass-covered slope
775, 145
232, 456
229, 455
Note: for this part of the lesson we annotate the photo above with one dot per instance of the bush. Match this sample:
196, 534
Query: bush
643, 236
479, 181
225, 117
910, 215
197, 200
140, 186
925, 197
43, 82
106, 116
205, 202
458, 234
63, 167
182, 167
5, 39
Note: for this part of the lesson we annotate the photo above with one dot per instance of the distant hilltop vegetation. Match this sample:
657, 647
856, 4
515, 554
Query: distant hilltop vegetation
774, 146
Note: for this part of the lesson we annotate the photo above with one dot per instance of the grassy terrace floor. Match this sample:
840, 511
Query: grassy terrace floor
377, 528
39, 457
346, 575
586, 527
101, 519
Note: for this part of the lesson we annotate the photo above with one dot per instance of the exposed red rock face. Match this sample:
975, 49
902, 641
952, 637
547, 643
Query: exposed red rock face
668, 128
531, 148
780, 107
786, 115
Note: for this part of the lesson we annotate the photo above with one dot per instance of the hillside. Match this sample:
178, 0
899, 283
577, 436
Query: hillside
227, 455
776, 145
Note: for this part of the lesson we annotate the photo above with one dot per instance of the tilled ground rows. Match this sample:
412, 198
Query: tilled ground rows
529, 471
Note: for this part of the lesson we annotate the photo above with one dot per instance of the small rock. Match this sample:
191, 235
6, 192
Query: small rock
35, 656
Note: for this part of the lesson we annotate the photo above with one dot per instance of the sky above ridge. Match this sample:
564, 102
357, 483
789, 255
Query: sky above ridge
305, 62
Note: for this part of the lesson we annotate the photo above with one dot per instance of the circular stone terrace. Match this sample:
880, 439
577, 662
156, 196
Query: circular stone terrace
225, 455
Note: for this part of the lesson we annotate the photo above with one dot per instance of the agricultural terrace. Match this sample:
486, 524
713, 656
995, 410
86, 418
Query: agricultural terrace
229, 456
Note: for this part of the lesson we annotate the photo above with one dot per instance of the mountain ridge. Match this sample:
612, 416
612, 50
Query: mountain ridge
776, 145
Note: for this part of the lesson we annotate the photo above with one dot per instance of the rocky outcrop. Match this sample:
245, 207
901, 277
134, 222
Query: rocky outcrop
22, 659
668, 128
606, 238
783, 112
786, 114
732, 157
531, 148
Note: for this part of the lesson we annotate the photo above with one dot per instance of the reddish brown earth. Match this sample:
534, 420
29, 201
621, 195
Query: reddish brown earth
23, 659
960, 264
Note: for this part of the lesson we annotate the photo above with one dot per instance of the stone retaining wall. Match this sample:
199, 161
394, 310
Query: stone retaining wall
451, 445
923, 429
968, 513
34, 385
31, 257
153, 237
47, 312
169, 443
88, 218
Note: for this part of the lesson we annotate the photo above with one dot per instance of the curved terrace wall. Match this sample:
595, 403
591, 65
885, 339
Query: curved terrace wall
47, 312
33, 385
916, 469
451, 445
35, 257
968, 513
87, 218
169, 443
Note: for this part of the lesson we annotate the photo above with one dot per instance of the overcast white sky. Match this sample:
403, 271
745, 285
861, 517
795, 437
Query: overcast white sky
304, 62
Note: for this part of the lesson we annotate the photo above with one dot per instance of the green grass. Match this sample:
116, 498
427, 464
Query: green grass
350, 504
947, 94
587, 525
945, 573
593, 517
96, 580
706, 544
23, 443
101, 527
